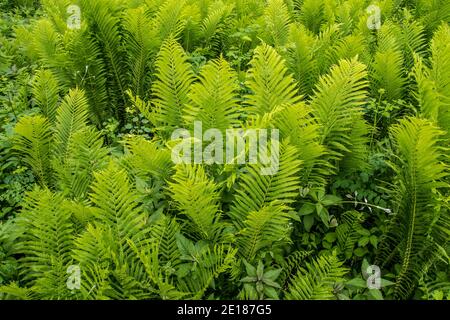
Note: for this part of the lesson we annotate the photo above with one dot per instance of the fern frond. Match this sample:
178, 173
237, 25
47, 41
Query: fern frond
174, 79
71, 117
312, 14
215, 24
164, 233
296, 123
196, 197
269, 81
420, 170
33, 141
106, 26
276, 23
140, 48
301, 59
347, 232
146, 159
388, 74
215, 261
85, 155
337, 105
169, 20
266, 228
213, 100
117, 205
46, 242
46, 93
317, 279
255, 191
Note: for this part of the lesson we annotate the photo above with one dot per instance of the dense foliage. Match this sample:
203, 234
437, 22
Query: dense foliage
87, 182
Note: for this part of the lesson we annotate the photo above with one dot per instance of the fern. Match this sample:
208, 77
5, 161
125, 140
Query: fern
33, 139
266, 228
197, 198
46, 93
213, 100
337, 106
277, 21
316, 280
412, 237
46, 242
269, 81
169, 20
106, 27
388, 73
140, 49
301, 58
174, 78
71, 117
347, 232
255, 191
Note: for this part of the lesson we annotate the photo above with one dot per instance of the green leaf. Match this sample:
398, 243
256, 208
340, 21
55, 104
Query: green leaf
272, 274
376, 294
308, 222
357, 282
329, 200
260, 270
363, 241
251, 270
270, 292
360, 251
306, 209
330, 237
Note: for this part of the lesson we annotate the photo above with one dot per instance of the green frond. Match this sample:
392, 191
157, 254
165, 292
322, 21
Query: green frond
297, 123
46, 41
255, 191
117, 205
46, 243
32, 142
337, 104
140, 48
387, 74
215, 24
169, 20
434, 13
413, 41
171, 88
291, 265
105, 25
266, 228
88, 71
147, 159
71, 117
269, 81
85, 155
419, 171
276, 23
46, 93
214, 262
316, 280
301, 58
196, 197
164, 233
93, 251
347, 232
312, 14
348, 47
213, 100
